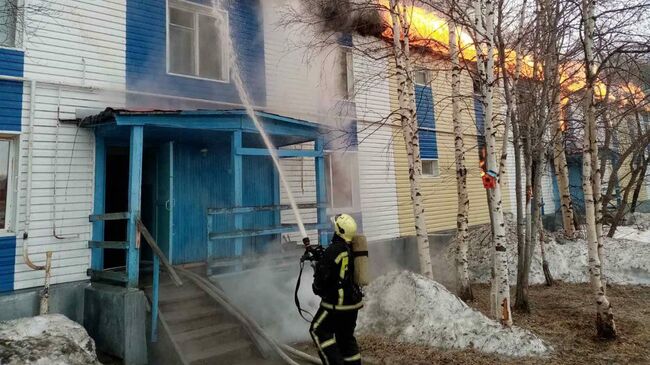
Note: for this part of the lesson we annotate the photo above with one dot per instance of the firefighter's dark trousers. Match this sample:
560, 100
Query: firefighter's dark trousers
333, 334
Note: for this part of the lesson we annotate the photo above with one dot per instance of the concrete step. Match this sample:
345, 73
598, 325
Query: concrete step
221, 331
218, 353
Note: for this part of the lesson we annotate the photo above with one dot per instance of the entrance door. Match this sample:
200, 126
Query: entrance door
165, 199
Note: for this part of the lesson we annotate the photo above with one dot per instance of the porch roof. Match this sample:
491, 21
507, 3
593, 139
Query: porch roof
213, 120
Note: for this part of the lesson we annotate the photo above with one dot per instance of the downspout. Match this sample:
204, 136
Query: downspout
28, 206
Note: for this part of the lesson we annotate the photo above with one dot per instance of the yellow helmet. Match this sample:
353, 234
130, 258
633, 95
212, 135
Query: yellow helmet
345, 226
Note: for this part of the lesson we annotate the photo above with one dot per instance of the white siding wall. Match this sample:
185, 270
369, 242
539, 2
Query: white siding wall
376, 164
300, 82
76, 42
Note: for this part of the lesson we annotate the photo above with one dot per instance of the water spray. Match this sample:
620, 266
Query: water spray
246, 102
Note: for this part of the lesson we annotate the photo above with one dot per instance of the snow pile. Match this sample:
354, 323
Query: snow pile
413, 309
46, 340
624, 263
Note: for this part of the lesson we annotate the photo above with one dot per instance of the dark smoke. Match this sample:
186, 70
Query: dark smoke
347, 16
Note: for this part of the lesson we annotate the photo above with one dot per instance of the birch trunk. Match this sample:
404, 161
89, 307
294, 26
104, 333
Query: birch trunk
605, 326
501, 286
462, 218
408, 120
561, 168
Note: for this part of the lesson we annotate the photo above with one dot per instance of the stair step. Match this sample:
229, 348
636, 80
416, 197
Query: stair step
181, 294
182, 314
212, 331
219, 353
189, 304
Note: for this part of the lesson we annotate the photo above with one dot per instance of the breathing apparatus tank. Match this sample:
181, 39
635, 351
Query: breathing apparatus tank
360, 252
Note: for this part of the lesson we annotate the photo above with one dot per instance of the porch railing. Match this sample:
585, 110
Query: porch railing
237, 235
121, 276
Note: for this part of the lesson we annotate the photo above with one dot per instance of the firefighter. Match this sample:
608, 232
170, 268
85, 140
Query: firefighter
332, 328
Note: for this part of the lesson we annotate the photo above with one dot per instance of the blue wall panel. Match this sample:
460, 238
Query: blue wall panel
11, 92
7, 263
575, 183
426, 119
146, 67
479, 114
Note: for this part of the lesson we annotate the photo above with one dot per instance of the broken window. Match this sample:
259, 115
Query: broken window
8, 19
197, 42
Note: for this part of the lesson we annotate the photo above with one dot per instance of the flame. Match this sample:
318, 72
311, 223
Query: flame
429, 30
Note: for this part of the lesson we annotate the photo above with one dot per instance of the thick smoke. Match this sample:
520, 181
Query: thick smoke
360, 17
267, 295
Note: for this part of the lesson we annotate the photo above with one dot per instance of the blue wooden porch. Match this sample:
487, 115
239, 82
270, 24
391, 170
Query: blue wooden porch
201, 181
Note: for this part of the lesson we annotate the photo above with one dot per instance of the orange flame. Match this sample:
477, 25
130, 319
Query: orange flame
427, 29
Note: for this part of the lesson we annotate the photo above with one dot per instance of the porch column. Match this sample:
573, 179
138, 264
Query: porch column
321, 188
238, 189
135, 194
99, 202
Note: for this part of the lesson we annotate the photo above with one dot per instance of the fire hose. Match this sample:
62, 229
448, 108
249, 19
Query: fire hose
257, 333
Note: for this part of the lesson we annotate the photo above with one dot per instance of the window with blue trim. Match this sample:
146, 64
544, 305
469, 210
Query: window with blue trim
479, 115
426, 123
196, 41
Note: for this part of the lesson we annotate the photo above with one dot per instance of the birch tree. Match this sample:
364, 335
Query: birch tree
409, 124
605, 326
484, 26
462, 218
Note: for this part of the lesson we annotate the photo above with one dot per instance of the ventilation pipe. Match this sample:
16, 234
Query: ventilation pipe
45, 294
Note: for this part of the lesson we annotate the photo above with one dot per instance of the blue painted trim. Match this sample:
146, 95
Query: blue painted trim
171, 201
12, 63
154, 299
426, 119
7, 263
99, 204
280, 153
238, 188
135, 196
321, 190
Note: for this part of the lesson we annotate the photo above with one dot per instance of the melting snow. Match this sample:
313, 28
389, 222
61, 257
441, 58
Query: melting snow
45, 340
413, 309
625, 261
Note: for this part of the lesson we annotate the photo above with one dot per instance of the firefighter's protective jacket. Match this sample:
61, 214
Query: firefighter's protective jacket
333, 278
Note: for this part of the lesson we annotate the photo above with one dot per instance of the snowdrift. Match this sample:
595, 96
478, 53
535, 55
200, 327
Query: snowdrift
413, 309
46, 340
626, 261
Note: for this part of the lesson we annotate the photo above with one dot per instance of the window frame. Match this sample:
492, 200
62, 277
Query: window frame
427, 83
354, 183
11, 207
19, 29
347, 60
196, 10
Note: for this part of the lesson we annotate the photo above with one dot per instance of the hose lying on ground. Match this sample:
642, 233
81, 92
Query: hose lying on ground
302, 355
251, 326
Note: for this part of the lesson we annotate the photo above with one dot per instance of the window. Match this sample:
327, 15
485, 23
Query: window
346, 86
8, 19
340, 171
197, 42
6, 182
421, 77
426, 123
430, 168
